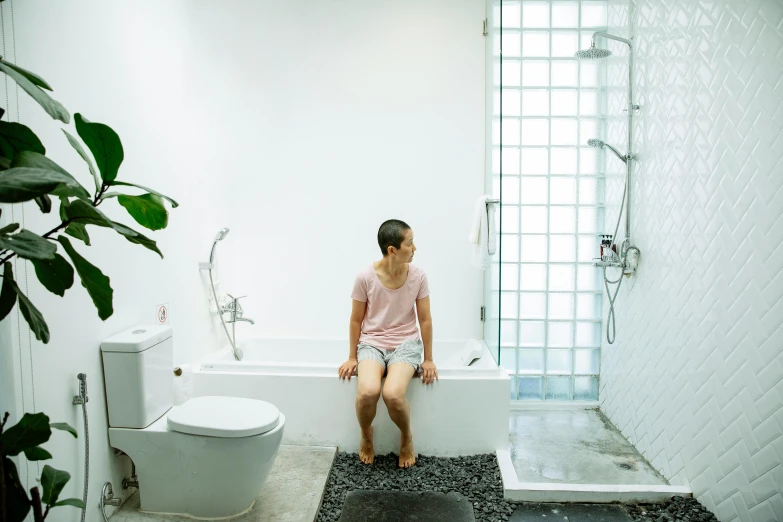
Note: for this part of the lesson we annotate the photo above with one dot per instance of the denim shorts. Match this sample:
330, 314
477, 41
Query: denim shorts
411, 352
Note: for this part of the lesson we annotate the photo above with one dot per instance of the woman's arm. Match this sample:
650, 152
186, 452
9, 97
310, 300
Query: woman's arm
355, 329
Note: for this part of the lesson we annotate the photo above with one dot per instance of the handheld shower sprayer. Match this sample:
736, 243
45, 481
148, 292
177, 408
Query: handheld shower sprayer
600, 144
210, 266
221, 235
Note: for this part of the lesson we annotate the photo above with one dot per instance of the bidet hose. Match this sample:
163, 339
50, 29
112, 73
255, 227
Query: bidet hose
220, 314
86, 459
82, 399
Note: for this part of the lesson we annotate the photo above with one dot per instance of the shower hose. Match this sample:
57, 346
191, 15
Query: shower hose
610, 320
223, 321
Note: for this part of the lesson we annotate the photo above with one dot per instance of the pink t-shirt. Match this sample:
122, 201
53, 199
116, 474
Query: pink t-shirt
390, 319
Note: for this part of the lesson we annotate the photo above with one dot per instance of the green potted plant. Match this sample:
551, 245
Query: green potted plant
27, 174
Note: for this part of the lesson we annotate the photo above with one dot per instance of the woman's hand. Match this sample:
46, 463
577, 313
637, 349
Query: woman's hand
346, 370
429, 372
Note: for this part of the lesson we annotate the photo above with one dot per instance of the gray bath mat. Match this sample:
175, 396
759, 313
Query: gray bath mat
405, 506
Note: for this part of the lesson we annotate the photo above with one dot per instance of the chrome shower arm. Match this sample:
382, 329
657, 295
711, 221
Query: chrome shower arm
630, 109
629, 43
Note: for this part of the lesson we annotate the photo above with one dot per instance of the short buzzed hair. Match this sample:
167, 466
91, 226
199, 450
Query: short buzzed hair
391, 233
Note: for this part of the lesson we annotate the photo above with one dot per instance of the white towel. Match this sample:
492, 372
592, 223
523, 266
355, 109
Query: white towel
482, 233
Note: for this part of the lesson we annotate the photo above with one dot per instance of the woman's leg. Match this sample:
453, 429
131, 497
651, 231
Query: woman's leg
369, 390
394, 395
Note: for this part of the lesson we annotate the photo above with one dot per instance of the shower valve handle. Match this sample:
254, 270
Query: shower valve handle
234, 307
235, 300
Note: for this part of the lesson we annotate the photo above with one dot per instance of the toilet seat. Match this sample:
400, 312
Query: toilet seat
224, 417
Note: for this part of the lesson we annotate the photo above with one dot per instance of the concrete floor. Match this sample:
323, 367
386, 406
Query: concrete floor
574, 447
291, 493
533, 512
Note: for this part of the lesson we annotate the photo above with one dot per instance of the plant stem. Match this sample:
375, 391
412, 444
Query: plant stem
37, 515
45, 236
95, 203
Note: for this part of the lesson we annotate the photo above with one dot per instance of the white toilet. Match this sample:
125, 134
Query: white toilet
207, 457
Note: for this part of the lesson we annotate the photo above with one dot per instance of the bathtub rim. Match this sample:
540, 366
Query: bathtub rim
219, 361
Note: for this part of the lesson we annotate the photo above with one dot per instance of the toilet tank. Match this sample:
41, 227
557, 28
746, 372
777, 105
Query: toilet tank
137, 374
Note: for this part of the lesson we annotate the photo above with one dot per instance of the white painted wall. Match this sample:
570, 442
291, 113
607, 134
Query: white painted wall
300, 125
695, 378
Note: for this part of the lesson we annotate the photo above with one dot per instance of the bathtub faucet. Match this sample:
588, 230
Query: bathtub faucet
235, 310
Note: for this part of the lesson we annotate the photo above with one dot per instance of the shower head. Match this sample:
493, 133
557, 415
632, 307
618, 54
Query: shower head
592, 53
222, 234
219, 237
594, 142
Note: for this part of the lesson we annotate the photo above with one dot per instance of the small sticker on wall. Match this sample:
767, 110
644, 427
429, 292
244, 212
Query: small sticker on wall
163, 313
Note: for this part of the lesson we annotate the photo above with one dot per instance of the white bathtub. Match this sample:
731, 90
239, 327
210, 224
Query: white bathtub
465, 412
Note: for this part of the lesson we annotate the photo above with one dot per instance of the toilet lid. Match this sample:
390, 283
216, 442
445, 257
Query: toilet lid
223, 417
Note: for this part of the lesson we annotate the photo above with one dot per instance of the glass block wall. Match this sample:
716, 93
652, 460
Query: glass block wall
545, 106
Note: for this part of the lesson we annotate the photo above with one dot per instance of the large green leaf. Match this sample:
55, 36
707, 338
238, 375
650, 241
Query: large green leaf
85, 212
53, 481
44, 203
56, 275
174, 204
15, 137
64, 426
8, 229
54, 108
37, 453
34, 160
75, 144
104, 144
134, 237
34, 78
17, 504
31, 314
75, 502
148, 210
79, 231
93, 280
28, 245
7, 294
32, 430
22, 184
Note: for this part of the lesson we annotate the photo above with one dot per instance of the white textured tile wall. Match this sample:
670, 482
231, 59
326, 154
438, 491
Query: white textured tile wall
695, 377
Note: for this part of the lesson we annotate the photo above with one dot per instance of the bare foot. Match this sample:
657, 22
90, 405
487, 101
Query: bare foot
366, 452
407, 455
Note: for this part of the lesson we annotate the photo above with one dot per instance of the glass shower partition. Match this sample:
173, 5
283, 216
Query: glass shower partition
493, 179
